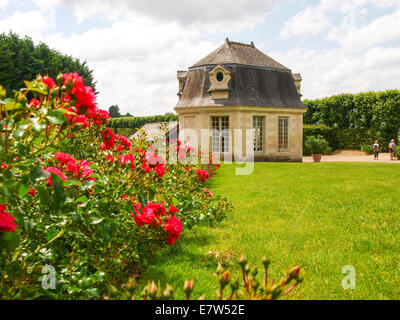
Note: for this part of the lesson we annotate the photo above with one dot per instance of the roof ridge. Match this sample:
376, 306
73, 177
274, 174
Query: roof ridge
251, 44
239, 53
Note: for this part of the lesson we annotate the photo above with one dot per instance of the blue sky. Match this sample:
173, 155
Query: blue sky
136, 46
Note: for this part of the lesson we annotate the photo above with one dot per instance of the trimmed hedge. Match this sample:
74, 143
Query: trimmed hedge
138, 122
369, 110
349, 138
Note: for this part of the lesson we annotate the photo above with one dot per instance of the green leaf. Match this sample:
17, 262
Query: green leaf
175, 201
22, 189
2, 92
7, 188
38, 125
92, 292
88, 184
95, 220
72, 290
44, 196
152, 193
9, 241
56, 118
38, 87
11, 105
59, 192
52, 234
64, 111
38, 174
142, 199
18, 133
29, 224
23, 150
82, 199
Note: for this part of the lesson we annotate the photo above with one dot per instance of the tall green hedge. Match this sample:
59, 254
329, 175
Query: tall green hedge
349, 138
369, 110
21, 59
347, 121
138, 122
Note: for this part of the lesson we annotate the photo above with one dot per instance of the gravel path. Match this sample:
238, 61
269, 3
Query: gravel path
353, 156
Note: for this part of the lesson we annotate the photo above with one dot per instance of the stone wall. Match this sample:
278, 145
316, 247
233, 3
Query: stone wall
195, 128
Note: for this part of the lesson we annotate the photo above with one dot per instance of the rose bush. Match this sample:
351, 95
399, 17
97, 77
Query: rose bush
90, 203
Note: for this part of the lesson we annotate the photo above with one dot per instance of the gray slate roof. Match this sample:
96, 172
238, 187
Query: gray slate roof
248, 87
239, 53
256, 80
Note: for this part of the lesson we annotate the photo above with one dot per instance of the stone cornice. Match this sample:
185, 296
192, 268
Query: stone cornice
208, 109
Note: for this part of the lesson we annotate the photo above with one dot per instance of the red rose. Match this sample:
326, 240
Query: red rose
108, 139
158, 208
84, 95
125, 141
138, 219
173, 209
202, 175
81, 119
32, 192
34, 103
49, 82
55, 171
145, 166
174, 228
6, 220
63, 157
160, 170
73, 167
208, 192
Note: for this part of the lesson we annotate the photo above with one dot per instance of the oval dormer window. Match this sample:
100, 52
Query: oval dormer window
220, 76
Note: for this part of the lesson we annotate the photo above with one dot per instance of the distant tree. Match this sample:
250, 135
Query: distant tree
113, 111
127, 115
21, 59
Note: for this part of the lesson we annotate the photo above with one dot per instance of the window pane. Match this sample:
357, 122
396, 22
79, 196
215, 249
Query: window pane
220, 134
283, 134
258, 129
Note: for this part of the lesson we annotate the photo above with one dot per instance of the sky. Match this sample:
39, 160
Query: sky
135, 47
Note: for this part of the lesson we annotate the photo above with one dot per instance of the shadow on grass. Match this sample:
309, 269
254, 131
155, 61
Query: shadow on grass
188, 253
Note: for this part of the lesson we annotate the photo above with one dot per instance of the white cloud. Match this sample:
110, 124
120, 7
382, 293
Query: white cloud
135, 63
204, 14
363, 59
136, 58
3, 4
381, 30
324, 16
31, 23
338, 71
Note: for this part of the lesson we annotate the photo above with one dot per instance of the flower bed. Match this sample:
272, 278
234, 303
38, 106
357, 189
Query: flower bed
83, 202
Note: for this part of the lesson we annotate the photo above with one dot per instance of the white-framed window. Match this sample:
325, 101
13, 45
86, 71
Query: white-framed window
258, 129
283, 134
220, 134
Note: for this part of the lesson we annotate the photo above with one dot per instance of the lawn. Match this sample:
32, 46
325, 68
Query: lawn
322, 216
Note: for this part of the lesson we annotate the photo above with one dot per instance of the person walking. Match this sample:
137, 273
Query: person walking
376, 150
392, 149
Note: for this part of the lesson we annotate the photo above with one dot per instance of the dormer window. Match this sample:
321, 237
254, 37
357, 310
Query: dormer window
219, 78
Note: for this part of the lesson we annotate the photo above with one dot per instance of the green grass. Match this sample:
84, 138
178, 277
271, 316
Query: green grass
321, 216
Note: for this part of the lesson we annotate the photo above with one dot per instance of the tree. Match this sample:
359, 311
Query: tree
113, 111
21, 59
